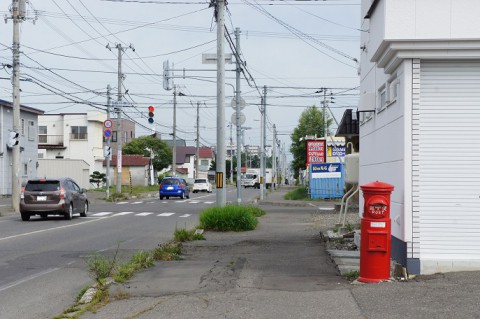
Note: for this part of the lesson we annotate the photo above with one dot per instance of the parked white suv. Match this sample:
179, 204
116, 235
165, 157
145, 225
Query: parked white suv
202, 185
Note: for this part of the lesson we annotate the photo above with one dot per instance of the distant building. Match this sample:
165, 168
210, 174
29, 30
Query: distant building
76, 136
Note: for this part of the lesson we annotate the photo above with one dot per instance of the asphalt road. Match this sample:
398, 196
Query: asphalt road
43, 262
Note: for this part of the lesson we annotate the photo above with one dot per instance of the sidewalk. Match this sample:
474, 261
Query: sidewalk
281, 270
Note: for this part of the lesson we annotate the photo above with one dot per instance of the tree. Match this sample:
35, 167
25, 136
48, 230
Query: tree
311, 122
144, 145
98, 178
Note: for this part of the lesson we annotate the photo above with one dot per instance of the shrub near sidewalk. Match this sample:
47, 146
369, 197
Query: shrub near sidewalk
299, 193
230, 218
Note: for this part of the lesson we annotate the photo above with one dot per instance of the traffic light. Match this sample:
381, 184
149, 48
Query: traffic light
150, 114
13, 141
107, 151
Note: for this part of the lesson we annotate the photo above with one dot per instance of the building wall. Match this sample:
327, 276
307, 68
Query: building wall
89, 150
401, 35
28, 143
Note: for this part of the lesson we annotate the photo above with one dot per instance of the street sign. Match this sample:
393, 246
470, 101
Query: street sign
234, 118
107, 123
233, 104
107, 133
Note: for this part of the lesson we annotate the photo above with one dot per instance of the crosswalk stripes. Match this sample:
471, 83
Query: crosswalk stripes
141, 214
166, 214
166, 202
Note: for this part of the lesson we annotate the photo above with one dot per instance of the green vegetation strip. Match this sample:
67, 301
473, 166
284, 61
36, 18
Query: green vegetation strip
230, 218
300, 193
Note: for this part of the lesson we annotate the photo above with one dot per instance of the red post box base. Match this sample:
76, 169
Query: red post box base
371, 280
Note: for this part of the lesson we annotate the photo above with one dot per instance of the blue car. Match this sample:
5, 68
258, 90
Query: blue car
174, 186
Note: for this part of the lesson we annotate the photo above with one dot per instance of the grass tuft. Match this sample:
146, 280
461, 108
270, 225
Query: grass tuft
299, 193
230, 218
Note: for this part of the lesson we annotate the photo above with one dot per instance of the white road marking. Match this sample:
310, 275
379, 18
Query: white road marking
179, 201
21, 281
164, 202
209, 202
143, 214
121, 203
49, 229
185, 216
194, 202
101, 214
166, 214
136, 203
123, 213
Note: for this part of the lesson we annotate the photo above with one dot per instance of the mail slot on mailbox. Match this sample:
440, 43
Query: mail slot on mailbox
376, 232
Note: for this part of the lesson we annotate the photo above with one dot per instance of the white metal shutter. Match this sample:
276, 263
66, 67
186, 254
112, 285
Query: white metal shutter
446, 161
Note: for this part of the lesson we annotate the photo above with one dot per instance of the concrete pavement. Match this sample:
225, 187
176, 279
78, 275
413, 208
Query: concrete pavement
281, 270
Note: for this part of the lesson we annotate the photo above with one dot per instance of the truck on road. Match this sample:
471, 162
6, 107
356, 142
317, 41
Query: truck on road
252, 178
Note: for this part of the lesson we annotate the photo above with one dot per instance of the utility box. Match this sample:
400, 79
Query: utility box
352, 167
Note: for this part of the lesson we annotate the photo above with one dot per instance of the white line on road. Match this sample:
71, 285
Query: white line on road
185, 216
209, 202
136, 203
21, 281
49, 229
143, 214
166, 214
101, 214
123, 213
121, 203
194, 202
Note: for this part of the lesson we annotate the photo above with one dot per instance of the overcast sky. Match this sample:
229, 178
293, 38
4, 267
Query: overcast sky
292, 47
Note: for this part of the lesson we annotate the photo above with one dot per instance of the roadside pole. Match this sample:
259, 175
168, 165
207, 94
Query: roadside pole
107, 184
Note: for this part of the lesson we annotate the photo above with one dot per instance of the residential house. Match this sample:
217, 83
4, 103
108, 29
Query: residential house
185, 162
135, 170
27, 143
72, 136
419, 127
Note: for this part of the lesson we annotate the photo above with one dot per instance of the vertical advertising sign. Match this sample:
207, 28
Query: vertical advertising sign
316, 152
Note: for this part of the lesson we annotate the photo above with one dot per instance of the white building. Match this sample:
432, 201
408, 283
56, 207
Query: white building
420, 126
72, 136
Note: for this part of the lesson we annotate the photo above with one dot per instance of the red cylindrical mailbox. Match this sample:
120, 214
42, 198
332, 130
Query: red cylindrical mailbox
376, 232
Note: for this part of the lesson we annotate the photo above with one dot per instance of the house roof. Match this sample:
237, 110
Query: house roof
129, 160
23, 108
348, 125
184, 151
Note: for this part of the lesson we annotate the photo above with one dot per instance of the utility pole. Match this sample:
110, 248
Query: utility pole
197, 151
231, 153
221, 193
18, 14
274, 157
237, 109
119, 110
109, 101
325, 129
174, 140
264, 141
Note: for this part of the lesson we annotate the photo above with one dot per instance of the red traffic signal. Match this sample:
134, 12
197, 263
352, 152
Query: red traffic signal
150, 114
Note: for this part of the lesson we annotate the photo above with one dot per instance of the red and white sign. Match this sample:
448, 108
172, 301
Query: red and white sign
107, 123
316, 152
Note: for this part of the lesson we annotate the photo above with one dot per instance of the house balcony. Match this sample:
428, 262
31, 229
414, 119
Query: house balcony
50, 142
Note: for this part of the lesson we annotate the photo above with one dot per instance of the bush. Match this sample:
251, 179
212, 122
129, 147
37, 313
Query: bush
230, 218
297, 194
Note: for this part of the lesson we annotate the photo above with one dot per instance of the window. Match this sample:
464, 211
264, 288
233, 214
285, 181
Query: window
382, 98
393, 88
31, 131
204, 162
25, 169
114, 136
79, 133
42, 134
22, 126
